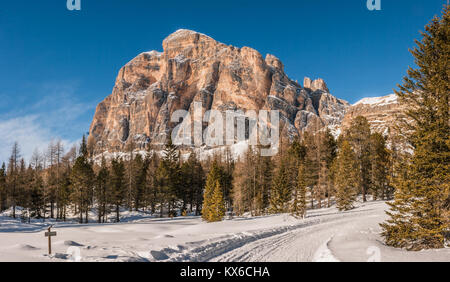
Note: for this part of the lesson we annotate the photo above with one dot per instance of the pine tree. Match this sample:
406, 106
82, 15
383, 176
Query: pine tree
280, 194
170, 170
346, 177
131, 172
214, 176
359, 138
244, 186
379, 160
37, 197
265, 180
82, 182
101, 191
217, 209
312, 166
82, 179
151, 185
192, 185
328, 151
299, 203
138, 191
117, 185
419, 216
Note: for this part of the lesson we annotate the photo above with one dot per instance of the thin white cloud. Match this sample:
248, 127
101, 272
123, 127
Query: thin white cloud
28, 133
58, 115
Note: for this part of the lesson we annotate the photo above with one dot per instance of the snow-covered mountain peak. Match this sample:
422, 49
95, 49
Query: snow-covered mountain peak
378, 101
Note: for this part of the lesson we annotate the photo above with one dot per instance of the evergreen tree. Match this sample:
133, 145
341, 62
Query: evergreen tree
131, 172
214, 176
102, 191
245, 183
82, 182
170, 170
328, 151
299, 203
346, 177
359, 137
151, 186
140, 166
117, 185
281, 193
36, 195
312, 166
217, 208
419, 216
379, 160
192, 185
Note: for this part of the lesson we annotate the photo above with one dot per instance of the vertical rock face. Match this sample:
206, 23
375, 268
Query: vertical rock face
381, 113
195, 68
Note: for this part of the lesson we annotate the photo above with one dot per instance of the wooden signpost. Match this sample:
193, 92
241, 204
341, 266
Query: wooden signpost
50, 234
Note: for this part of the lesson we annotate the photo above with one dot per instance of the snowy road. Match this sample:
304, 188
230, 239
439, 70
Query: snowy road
310, 243
325, 235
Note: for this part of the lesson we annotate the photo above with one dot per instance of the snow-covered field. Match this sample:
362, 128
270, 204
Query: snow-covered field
325, 235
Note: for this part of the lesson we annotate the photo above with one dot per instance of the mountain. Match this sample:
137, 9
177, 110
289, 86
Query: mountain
381, 112
196, 68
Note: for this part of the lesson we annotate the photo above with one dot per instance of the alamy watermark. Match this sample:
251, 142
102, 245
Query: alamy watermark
227, 128
74, 5
374, 254
374, 5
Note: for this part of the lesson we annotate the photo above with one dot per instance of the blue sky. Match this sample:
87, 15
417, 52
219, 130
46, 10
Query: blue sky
56, 64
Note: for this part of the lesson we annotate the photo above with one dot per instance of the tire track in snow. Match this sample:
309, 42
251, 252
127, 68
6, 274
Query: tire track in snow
262, 244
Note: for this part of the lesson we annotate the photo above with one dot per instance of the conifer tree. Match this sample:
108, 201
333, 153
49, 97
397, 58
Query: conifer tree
379, 160
244, 186
214, 176
82, 182
265, 180
151, 186
280, 194
193, 182
170, 175
346, 177
217, 209
359, 138
299, 203
101, 191
36, 193
118, 185
140, 166
312, 166
419, 216
328, 151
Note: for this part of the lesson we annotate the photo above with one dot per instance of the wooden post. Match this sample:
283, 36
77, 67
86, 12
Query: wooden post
49, 234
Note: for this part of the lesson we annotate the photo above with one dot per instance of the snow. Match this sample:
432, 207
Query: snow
324, 254
325, 235
379, 101
183, 33
154, 53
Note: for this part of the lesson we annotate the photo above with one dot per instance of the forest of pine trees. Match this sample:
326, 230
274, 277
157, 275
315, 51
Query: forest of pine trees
313, 171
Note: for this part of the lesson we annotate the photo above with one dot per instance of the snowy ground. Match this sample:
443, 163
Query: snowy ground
325, 235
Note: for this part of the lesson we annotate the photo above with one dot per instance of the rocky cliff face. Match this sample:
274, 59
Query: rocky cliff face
381, 112
195, 68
